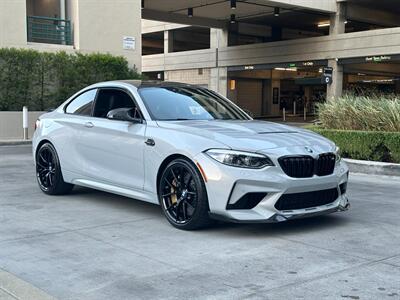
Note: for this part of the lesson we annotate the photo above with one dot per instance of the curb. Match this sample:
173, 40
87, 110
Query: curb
373, 167
15, 142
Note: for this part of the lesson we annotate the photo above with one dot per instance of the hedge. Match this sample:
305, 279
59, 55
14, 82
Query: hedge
42, 80
364, 145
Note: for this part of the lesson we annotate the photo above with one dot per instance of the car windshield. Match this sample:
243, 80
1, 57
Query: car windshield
188, 103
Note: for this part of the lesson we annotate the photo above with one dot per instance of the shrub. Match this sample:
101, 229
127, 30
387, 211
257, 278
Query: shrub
44, 80
364, 145
368, 113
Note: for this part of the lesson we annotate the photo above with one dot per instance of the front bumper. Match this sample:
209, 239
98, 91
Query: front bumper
226, 185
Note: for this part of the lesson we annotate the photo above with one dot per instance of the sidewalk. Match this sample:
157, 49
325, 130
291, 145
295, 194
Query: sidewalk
15, 142
12, 288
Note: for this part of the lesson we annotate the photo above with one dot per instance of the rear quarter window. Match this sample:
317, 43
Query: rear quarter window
83, 104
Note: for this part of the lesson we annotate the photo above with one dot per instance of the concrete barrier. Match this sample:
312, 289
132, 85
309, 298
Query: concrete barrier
373, 167
11, 124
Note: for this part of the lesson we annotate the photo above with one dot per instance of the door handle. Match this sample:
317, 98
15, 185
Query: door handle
89, 125
150, 142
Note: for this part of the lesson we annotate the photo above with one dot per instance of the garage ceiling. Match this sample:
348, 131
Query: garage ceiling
216, 13
388, 5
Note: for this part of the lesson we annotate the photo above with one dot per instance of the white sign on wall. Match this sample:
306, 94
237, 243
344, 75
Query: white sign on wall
129, 43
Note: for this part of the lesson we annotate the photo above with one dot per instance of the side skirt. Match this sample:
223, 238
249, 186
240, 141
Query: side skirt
135, 194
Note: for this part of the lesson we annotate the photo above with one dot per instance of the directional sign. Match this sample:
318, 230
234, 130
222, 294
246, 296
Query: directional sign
327, 77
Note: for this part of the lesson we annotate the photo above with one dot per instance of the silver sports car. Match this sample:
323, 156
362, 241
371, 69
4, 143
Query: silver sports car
190, 150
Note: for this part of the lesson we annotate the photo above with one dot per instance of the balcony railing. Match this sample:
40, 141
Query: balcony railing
49, 30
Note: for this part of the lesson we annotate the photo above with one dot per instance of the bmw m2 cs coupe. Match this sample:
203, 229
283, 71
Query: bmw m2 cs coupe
190, 150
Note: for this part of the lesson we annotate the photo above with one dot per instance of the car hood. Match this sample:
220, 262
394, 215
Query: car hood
251, 135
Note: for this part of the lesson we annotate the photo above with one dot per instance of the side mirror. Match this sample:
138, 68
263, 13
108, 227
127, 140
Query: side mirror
125, 114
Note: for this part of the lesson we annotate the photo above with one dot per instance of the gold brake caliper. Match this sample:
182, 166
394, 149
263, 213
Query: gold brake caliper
174, 198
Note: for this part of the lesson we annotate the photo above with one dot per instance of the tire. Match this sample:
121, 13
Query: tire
48, 172
183, 196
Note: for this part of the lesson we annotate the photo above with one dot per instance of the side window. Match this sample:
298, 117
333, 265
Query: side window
83, 104
109, 99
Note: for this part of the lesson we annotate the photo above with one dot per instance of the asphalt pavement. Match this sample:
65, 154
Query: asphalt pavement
95, 245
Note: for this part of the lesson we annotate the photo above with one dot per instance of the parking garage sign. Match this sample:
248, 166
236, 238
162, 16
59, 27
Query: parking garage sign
327, 75
129, 43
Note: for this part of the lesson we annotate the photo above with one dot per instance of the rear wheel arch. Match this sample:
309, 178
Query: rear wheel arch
46, 141
48, 170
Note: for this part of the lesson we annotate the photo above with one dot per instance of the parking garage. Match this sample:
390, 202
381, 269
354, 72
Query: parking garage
372, 74
270, 58
266, 90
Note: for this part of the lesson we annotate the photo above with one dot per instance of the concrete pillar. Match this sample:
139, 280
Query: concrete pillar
219, 75
335, 89
168, 42
62, 9
337, 22
219, 80
337, 26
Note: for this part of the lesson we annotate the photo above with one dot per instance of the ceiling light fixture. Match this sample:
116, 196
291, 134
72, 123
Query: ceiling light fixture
286, 69
326, 24
233, 19
276, 11
190, 12
233, 4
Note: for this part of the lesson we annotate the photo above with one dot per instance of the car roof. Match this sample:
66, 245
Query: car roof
154, 83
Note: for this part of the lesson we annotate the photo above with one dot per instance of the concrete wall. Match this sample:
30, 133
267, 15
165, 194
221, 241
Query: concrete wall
192, 76
11, 124
357, 44
103, 24
13, 23
98, 26
206, 58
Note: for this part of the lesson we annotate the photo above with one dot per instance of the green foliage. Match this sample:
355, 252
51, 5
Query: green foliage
368, 113
364, 145
42, 80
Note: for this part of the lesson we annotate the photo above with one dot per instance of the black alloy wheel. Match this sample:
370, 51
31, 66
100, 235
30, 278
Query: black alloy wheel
183, 196
48, 171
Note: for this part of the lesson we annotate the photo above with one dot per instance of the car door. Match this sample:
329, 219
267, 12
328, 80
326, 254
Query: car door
113, 150
69, 129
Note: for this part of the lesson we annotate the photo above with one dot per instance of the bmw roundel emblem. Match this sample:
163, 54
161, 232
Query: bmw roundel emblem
308, 149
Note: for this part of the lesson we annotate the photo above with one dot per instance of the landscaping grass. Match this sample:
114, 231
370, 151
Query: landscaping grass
368, 113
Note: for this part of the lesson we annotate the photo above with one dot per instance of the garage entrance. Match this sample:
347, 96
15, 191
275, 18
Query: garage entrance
265, 90
372, 74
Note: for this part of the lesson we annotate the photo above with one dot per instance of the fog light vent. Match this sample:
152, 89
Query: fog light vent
343, 188
247, 201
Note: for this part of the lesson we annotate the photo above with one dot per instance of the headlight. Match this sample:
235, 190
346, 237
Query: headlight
338, 155
239, 158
